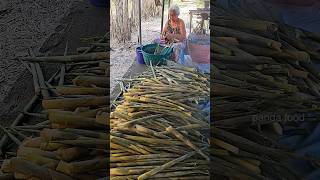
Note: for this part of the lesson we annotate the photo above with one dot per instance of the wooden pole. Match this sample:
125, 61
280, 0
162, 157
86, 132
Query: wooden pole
73, 103
105, 37
35, 79
190, 21
44, 92
63, 67
162, 15
27, 108
53, 76
62, 73
12, 137
169, 4
70, 58
140, 36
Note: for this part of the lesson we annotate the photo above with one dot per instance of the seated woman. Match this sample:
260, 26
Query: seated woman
174, 32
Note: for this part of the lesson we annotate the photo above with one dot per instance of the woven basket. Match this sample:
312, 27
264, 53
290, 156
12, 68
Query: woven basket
156, 60
200, 53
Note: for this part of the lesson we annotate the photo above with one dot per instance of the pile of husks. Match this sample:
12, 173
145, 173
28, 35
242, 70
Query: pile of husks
157, 129
72, 142
263, 73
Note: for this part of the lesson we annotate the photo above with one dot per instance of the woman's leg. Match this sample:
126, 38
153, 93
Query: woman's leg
177, 50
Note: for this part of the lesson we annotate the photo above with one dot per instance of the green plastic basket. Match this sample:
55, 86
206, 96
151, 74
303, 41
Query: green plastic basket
156, 60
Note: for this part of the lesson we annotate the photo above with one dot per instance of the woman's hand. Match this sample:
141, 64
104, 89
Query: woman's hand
170, 36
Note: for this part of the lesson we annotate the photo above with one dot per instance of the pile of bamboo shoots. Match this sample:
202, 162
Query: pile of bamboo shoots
261, 69
74, 141
157, 130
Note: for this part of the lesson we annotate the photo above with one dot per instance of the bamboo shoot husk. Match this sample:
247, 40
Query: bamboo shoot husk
141, 157
70, 58
150, 131
250, 146
88, 81
244, 164
22, 151
55, 134
246, 37
29, 169
122, 147
73, 153
68, 120
245, 23
141, 149
148, 140
52, 146
6, 176
82, 166
142, 163
59, 176
86, 176
220, 49
86, 112
170, 129
32, 142
102, 118
6, 166
164, 166
166, 175
64, 90
286, 54
73, 103
229, 40
88, 133
225, 145
18, 175
40, 160
88, 143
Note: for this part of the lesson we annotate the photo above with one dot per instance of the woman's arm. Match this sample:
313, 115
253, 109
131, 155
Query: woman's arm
165, 28
183, 34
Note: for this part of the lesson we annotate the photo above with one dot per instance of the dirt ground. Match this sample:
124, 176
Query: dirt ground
81, 19
25, 25
123, 55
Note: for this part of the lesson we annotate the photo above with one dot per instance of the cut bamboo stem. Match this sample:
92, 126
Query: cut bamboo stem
82, 166
70, 58
69, 120
35, 79
64, 90
177, 134
89, 81
44, 91
12, 137
73, 103
165, 166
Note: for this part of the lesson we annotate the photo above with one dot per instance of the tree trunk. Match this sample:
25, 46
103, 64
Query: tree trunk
125, 17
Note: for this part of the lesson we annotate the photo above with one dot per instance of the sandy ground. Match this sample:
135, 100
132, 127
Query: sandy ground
80, 20
123, 55
23, 25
